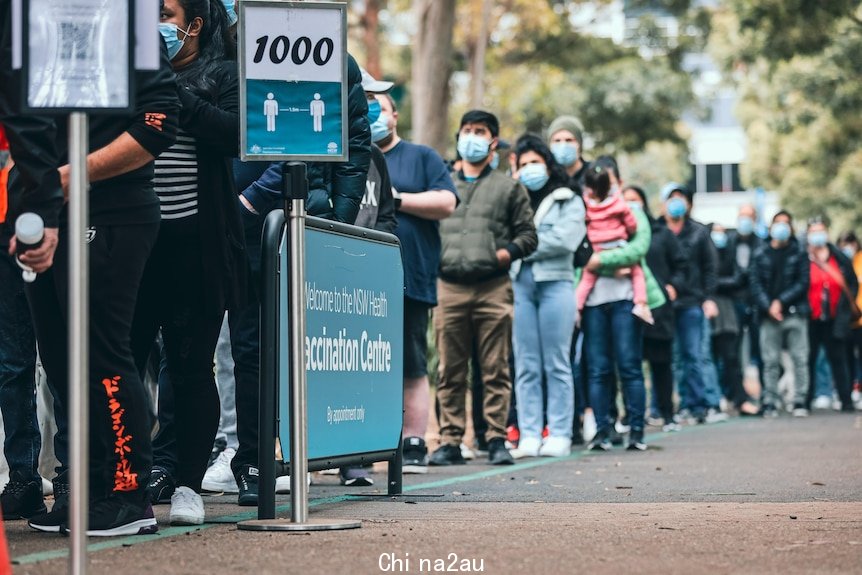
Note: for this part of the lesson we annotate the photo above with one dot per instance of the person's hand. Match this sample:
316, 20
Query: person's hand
775, 311
504, 259
594, 264
710, 309
247, 204
64, 180
621, 273
41, 258
671, 292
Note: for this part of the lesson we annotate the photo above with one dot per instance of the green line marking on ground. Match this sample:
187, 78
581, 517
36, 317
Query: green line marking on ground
166, 532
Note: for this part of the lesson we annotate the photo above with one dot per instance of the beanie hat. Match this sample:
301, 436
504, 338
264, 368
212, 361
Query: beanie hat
571, 124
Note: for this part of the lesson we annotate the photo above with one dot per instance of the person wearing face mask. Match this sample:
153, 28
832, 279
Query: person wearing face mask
850, 245
491, 228
566, 141
694, 300
197, 268
779, 277
545, 310
425, 195
832, 292
725, 327
744, 242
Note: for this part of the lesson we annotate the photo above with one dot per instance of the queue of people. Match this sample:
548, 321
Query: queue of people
554, 279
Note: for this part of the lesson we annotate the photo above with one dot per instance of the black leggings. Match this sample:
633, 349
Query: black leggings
120, 422
173, 298
725, 350
820, 334
657, 352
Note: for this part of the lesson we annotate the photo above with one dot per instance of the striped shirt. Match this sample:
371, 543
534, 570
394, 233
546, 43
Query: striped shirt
176, 179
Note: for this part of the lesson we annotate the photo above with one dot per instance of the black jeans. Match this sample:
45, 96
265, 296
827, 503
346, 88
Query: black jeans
245, 343
120, 422
820, 335
657, 353
172, 297
725, 350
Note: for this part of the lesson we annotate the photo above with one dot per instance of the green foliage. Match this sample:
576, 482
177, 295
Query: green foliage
800, 106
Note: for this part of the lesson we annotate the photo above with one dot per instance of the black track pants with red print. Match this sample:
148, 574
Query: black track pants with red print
120, 416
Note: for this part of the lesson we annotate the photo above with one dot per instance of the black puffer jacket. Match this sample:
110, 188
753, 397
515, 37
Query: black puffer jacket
668, 264
791, 267
336, 190
702, 265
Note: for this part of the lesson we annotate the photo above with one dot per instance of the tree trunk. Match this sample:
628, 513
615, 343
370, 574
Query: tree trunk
478, 77
371, 36
432, 67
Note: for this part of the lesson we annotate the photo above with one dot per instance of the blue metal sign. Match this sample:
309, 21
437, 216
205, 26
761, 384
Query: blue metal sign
353, 347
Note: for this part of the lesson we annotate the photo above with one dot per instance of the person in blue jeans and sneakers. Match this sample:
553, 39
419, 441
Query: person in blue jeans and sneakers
694, 300
425, 195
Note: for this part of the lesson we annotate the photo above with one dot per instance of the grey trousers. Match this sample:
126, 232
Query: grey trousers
790, 334
226, 387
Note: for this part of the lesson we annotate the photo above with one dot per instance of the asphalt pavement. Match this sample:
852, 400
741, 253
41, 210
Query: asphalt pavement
746, 496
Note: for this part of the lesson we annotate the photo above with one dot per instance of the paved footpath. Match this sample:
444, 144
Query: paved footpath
747, 496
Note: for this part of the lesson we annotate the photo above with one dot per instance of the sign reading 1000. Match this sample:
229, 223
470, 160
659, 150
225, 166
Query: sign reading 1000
279, 49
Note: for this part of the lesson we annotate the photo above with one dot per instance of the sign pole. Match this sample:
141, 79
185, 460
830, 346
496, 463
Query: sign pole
79, 341
295, 186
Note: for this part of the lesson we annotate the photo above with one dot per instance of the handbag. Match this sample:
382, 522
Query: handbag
855, 312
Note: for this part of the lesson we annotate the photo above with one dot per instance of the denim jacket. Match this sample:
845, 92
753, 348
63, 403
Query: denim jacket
561, 226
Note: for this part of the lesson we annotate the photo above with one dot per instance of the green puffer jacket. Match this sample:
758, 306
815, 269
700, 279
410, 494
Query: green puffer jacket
494, 214
633, 253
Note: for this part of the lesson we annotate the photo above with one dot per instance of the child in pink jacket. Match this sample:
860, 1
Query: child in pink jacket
610, 223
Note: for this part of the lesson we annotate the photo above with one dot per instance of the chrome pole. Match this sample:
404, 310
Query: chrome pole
79, 341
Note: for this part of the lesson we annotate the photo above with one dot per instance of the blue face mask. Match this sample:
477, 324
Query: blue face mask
745, 226
495, 161
719, 239
780, 231
818, 239
373, 110
566, 153
170, 33
534, 176
380, 128
635, 206
849, 251
676, 208
473, 148
230, 6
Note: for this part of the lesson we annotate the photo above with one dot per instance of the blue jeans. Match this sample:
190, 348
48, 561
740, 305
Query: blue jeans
17, 373
542, 334
689, 333
613, 334
711, 386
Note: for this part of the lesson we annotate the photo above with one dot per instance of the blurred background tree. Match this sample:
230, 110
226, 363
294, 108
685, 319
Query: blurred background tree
797, 64
529, 61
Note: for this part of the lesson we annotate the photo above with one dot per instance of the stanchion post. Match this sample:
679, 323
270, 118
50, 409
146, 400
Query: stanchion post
295, 191
79, 340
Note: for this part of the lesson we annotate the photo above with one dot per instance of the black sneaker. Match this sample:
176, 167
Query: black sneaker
50, 522
578, 436
498, 454
355, 477
161, 486
22, 497
219, 445
414, 455
636, 440
768, 411
480, 445
115, 515
601, 442
447, 455
247, 479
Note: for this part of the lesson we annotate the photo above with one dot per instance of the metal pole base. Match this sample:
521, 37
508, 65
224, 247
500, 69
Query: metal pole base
287, 525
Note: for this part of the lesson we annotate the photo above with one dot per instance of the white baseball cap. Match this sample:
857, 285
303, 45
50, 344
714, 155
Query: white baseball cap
369, 84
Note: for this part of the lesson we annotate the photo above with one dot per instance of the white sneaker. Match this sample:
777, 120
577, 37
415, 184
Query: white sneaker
556, 447
527, 447
282, 484
590, 426
187, 507
822, 402
671, 427
219, 477
800, 412
333, 471
621, 427
715, 416
466, 452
